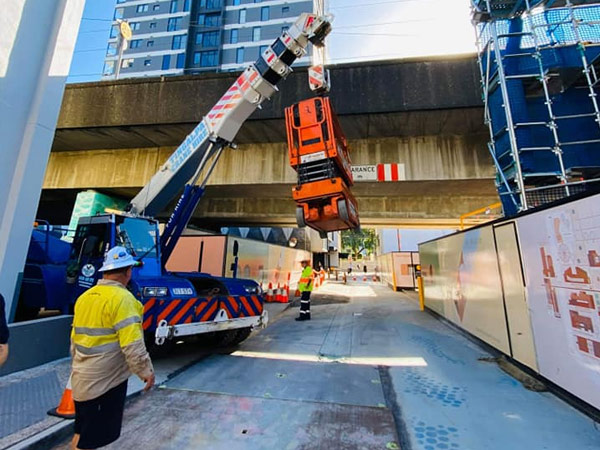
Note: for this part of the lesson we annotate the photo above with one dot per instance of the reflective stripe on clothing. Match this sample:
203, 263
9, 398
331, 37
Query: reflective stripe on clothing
305, 284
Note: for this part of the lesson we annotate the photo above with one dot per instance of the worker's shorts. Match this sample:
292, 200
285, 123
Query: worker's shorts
98, 421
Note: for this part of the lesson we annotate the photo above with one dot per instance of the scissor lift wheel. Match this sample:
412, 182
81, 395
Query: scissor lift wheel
300, 217
343, 210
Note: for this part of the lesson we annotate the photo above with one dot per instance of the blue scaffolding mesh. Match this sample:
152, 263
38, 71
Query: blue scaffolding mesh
551, 65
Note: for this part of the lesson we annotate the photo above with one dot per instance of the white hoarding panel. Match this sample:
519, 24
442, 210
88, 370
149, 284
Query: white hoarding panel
513, 285
403, 270
462, 283
560, 248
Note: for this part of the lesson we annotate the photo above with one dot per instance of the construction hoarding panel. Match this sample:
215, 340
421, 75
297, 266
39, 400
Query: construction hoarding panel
265, 263
463, 284
199, 254
560, 248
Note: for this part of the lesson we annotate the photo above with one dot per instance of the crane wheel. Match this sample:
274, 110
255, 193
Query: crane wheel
300, 217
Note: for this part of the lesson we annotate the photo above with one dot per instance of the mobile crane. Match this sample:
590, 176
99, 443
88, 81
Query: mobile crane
184, 304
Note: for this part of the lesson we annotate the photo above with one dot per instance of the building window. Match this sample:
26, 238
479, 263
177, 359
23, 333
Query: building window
242, 16
186, 5
213, 4
208, 39
156, 7
126, 63
179, 42
135, 43
134, 26
233, 38
206, 59
142, 8
166, 62
152, 25
111, 50
173, 23
264, 13
147, 62
236, 2
256, 1
109, 68
114, 31
256, 34
211, 20
121, 1
118, 13
173, 7
239, 55
150, 44
180, 61
262, 49
285, 10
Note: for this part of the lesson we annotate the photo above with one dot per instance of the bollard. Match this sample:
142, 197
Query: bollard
421, 293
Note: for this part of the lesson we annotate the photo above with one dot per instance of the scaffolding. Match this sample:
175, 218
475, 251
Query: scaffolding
539, 62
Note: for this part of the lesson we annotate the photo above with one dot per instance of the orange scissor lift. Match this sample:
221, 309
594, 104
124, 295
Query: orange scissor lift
318, 151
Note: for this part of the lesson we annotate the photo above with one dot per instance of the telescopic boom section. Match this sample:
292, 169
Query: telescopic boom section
220, 126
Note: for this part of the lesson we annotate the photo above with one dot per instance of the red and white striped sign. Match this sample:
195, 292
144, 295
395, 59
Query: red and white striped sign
390, 172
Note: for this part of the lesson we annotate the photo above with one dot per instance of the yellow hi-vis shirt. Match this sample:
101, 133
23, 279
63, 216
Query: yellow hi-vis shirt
107, 340
306, 280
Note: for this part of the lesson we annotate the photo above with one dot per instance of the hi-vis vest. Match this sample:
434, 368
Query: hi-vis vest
106, 318
306, 280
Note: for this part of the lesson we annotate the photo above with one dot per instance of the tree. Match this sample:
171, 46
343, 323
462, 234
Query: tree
355, 242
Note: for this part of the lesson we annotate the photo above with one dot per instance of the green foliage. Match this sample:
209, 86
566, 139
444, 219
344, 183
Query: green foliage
355, 242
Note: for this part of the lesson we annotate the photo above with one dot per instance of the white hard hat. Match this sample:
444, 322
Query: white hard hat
117, 258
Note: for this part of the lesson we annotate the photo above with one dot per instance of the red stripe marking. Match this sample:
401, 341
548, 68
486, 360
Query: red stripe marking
317, 69
149, 304
182, 312
200, 308
233, 303
229, 106
247, 305
253, 76
314, 80
148, 322
394, 172
188, 320
209, 313
287, 39
257, 303
271, 58
218, 116
380, 172
168, 309
217, 107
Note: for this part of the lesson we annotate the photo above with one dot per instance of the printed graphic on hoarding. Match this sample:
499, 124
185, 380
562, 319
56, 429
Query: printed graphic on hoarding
563, 272
462, 283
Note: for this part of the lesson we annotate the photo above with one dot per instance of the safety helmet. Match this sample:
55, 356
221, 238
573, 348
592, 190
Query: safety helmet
117, 258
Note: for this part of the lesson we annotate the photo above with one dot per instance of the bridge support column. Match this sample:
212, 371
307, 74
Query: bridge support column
37, 40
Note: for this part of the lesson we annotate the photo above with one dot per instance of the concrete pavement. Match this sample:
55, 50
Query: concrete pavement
373, 373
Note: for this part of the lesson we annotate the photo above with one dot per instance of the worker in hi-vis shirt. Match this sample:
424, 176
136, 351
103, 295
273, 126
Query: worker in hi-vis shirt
107, 344
305, 286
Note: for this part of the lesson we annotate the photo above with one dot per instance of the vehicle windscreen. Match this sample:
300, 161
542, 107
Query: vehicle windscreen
138, 236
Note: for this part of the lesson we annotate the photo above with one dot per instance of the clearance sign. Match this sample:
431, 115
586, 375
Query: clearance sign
379, 172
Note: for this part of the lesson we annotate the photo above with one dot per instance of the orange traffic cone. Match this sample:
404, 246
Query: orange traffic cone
66, 407
278, 295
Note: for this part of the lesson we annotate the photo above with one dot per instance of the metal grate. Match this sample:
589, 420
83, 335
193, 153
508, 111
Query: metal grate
25, 402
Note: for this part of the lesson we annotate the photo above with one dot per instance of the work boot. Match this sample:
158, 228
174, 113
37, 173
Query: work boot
301, 318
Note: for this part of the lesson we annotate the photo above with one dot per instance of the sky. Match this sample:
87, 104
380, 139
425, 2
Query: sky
363, 30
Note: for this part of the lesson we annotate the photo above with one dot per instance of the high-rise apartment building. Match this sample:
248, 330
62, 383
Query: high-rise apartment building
171, 37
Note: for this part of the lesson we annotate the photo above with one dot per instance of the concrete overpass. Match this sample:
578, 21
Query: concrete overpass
426, 114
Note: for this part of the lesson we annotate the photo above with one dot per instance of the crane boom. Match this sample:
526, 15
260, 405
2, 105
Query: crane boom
219, 127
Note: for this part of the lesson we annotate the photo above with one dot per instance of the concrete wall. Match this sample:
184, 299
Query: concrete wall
36, 45
37, 342
425, 157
